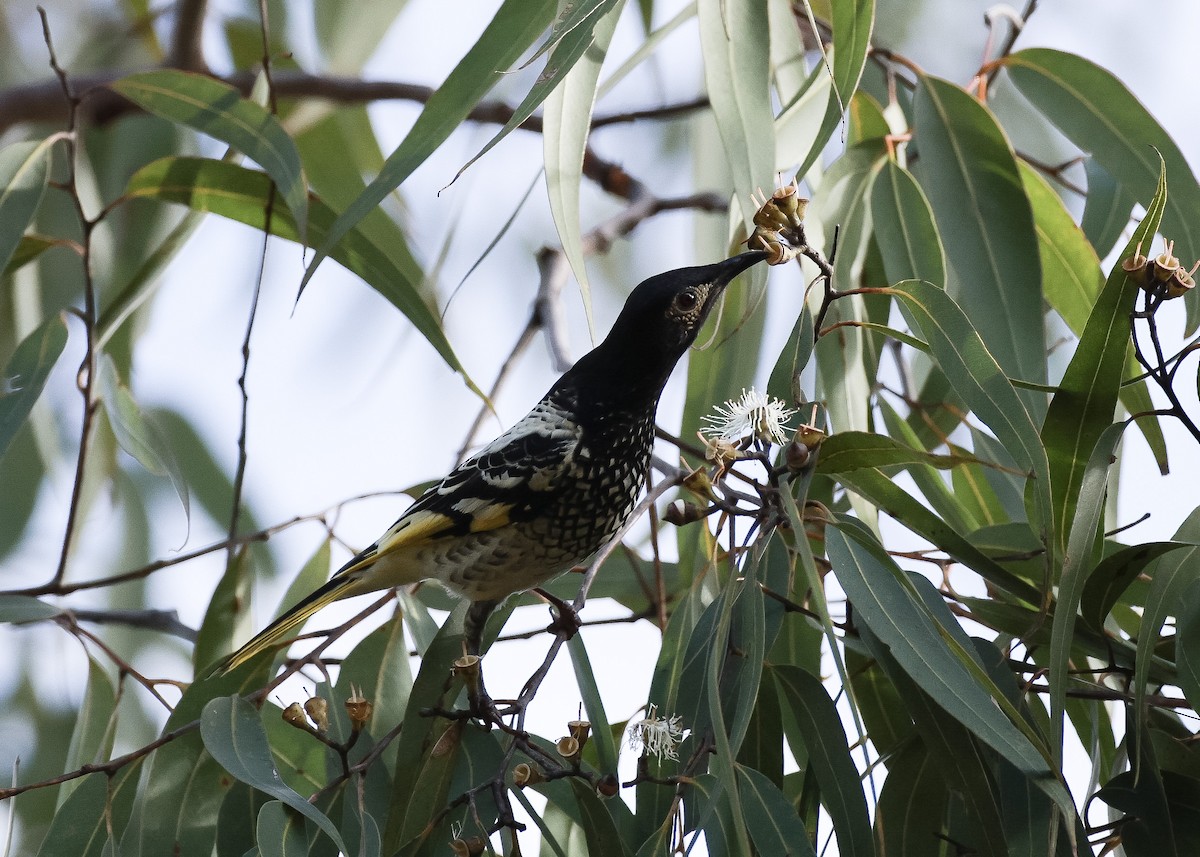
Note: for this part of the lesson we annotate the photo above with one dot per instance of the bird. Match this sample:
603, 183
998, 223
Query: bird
551, 490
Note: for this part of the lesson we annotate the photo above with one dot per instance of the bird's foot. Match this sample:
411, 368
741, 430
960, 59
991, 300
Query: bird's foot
566, 620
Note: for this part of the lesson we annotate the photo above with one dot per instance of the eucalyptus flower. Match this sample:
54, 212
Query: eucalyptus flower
755, 414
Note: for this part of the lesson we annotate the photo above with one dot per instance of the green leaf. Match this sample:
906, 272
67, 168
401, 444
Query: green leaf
1077, 564
280, 833
798, 125
24, 171
510, 32
209, 485
137, 434
593, 705
310, 577
1111, 577
853, 21
217, 109
183, 788
647, 48
28, 249
1171, 576
1107, 208
912, 806
566, 122
715, 814
25, 608
888, 724
733, 39
229, 619
428, 748
865, 119
348, 41
828, 757
233, 734
1099, 114
774, 825
932, 485
1080, 443
905, 229
969, 807
1072, 281
881, 490
1071, 275
923, 649
854, 450
145, 281
238, 194
968, 169
95, 727
80, 827
379, 667
784, 383
975, 375
1187, 643
22, 380
1087, 396
598, 827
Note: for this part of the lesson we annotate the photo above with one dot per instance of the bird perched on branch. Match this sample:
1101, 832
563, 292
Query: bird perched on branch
554, 488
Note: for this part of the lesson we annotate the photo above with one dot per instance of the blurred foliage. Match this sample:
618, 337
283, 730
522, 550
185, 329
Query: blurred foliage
919, 705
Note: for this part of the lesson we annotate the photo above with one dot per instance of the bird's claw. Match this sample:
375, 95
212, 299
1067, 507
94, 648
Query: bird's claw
566, 620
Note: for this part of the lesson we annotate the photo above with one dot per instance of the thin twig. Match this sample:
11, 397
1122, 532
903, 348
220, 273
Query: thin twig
269, 211
36, 102
166, 621
86, 377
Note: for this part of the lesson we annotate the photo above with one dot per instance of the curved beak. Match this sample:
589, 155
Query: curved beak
734, 265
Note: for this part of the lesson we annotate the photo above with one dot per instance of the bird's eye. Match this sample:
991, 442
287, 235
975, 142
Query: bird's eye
687, 300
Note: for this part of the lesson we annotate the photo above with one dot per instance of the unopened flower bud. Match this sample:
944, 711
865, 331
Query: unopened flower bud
294, 714
797, 456
680, 513
318, 712
568, 748
608, 785
358, 708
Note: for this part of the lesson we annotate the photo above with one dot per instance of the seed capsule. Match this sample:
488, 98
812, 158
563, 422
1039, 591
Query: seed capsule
318, 712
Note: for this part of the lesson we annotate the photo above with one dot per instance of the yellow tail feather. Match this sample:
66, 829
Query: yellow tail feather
340, 586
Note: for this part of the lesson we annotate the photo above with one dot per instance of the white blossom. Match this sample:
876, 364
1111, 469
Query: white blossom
659, 736
754, 414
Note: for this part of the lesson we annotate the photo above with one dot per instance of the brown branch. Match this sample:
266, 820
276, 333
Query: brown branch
239, 478
186, 51
166, 621
224, 544
41, 101
86, 377
108, 768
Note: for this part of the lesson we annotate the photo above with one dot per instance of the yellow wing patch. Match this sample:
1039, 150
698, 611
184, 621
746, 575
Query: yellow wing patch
491, 517
419, 528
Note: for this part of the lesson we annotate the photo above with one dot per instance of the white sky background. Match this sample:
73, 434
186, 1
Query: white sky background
346, 398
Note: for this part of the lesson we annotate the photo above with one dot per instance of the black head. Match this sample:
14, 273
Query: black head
658, 323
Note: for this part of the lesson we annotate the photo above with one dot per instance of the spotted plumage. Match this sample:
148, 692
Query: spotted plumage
554, 488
